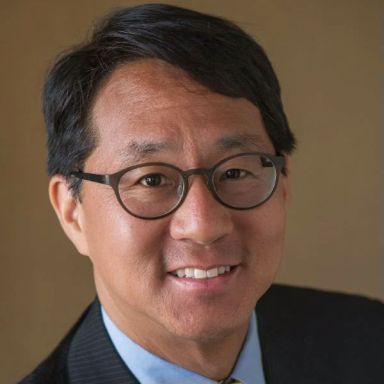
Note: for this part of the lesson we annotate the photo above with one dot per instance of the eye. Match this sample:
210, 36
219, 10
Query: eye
234, 174
153, 180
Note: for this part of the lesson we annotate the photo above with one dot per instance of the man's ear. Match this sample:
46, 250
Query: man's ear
69, 210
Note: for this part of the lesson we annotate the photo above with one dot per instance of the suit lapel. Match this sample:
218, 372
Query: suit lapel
286, 344
92, 358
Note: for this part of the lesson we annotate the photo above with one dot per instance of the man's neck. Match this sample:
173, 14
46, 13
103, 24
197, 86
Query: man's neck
213, 358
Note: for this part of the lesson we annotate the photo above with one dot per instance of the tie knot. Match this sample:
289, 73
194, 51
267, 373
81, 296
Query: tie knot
230, 380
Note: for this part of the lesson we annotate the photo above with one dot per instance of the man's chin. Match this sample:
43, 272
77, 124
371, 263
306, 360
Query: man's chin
207, 326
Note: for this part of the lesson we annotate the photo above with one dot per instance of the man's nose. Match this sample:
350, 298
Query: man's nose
201, 219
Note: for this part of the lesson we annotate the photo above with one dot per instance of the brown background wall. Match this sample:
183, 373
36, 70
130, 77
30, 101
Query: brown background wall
327, 55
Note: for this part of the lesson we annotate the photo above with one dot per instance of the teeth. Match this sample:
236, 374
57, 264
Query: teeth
213, 272
189, 272
200, 274
196, 273
180, 273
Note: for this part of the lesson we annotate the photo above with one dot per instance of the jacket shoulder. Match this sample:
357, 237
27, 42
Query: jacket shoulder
336, 335
308, 303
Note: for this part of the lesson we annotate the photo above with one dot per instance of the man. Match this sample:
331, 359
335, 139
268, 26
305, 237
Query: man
169, 156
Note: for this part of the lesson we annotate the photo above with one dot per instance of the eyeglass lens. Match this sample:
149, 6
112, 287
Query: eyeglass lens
240, 182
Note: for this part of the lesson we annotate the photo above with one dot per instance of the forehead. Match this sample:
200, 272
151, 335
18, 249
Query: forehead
152, 101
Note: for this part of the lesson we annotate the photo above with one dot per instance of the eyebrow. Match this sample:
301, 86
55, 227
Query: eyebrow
137, 151
240, 141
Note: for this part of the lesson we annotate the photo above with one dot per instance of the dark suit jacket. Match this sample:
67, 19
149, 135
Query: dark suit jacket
306, 336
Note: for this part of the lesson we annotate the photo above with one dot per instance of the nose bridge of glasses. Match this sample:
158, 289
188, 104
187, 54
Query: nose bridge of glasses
196, 171
205, 172
207, 175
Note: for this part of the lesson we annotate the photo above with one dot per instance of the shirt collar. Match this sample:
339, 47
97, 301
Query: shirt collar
151, 369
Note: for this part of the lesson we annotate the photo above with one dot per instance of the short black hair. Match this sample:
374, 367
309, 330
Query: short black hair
212, 51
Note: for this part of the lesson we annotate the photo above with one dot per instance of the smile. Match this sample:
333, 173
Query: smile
196, 273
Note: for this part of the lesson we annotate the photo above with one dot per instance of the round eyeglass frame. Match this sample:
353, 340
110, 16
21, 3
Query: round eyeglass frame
113, 181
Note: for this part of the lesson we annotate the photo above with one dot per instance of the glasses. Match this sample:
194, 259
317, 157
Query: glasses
155, 190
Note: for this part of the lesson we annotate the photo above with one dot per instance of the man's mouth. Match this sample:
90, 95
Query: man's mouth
197, 273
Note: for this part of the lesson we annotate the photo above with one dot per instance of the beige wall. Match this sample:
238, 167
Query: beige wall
327, 56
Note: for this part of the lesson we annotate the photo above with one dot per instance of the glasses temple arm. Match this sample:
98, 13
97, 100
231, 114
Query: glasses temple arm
101, 179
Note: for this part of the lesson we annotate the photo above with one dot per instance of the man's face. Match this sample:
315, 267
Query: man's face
150, 111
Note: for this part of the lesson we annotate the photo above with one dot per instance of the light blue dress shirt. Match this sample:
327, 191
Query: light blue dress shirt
151, 369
